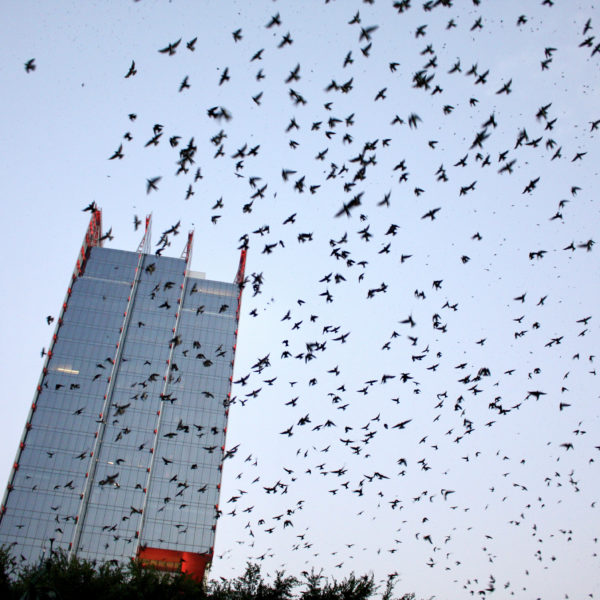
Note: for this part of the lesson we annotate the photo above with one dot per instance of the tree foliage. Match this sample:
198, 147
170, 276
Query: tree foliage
62, 578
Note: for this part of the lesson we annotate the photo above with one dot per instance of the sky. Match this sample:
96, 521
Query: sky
417, 183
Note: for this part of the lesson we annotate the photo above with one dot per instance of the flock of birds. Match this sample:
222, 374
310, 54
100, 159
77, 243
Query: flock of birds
378, 433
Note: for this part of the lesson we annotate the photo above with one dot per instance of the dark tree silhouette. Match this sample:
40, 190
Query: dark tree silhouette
59, 577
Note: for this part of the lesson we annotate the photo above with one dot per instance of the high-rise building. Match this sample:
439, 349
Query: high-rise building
122, 451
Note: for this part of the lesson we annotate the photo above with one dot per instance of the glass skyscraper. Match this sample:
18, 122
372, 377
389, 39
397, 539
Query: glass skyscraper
122, 451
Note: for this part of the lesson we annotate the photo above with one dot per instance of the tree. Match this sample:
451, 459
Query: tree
58, 577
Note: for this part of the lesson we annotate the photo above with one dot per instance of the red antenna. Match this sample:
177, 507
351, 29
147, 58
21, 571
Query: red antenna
144, 245
239, 278
187, 251
92, 238
94, 231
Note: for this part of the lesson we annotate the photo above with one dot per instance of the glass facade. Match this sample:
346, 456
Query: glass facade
124, 443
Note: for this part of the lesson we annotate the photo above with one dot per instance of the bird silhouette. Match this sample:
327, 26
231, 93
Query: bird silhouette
132, 70
171, 48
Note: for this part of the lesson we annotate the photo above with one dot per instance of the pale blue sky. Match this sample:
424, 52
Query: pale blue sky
516, 491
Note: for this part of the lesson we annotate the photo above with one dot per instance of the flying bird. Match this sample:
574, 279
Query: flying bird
151, 184
132, 70
171, 48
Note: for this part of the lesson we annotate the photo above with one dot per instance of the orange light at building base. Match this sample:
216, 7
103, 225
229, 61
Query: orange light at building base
175, 561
